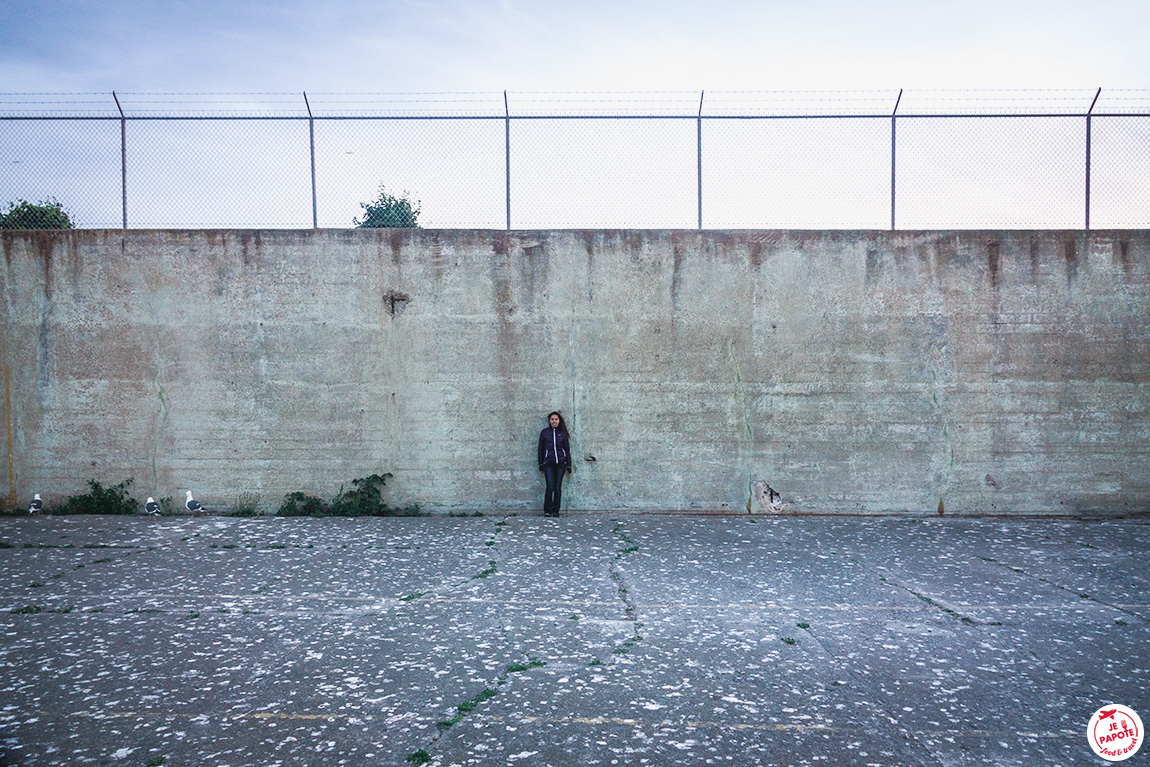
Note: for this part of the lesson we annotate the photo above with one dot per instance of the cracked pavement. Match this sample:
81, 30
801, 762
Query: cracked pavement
589, 639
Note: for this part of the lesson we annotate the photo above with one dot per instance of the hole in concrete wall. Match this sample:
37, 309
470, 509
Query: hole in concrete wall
396, 302
769, 499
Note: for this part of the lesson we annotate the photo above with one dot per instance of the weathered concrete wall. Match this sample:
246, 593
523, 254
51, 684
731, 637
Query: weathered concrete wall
853, 371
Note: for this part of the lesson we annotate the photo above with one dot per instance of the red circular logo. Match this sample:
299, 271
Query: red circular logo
1115, 732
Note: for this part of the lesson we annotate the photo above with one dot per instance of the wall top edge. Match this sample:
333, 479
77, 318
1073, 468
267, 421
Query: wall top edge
373, 233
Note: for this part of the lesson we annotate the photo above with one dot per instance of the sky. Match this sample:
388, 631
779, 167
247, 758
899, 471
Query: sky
161, 56
228, 46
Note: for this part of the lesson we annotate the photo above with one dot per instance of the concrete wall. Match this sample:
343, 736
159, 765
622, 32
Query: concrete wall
853, 371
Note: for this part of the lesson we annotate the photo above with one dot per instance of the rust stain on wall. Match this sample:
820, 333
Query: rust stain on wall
993, 252
1070, 255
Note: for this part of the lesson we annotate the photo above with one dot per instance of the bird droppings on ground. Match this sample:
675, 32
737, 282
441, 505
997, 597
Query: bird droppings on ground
589, 639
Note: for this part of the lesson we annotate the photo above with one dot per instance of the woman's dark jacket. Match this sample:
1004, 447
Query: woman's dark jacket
553, 448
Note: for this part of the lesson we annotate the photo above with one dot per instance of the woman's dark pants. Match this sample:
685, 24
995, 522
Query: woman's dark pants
553, 473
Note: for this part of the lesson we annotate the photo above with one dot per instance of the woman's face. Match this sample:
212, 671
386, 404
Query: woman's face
554, 421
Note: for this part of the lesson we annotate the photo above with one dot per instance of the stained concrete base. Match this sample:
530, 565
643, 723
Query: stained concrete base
583, 640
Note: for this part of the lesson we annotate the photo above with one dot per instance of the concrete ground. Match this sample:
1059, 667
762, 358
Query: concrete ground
596, 639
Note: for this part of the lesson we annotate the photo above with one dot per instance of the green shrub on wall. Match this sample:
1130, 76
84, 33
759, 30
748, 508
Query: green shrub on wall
46, 214
388, 211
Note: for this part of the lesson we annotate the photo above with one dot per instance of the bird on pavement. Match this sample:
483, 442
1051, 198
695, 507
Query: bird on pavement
152, 507
37, 505
192, 505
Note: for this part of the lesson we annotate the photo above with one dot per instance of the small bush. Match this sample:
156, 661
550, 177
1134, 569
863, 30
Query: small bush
46, 214
364, 499
101, 500
247, 505
298, 504
389, 211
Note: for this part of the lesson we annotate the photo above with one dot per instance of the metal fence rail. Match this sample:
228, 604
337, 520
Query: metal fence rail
883, 159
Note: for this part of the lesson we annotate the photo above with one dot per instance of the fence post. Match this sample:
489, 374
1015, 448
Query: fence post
311, 143
699, 155
1088, 113
507, 155
892, 163
123, 162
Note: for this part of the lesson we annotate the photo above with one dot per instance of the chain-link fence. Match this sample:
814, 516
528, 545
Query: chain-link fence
872, 160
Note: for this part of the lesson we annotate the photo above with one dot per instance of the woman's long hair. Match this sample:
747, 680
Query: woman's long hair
562, 424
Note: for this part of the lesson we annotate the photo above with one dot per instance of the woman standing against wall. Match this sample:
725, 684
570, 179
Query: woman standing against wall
554, 461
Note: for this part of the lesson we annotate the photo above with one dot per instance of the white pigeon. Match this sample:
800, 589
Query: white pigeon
151, 506
192, 505
36, 506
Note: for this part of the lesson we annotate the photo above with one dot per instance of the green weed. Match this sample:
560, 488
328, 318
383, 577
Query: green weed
491, 570
101, 500
247, 505
469, 705
419, 757
299, 504
364, 499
